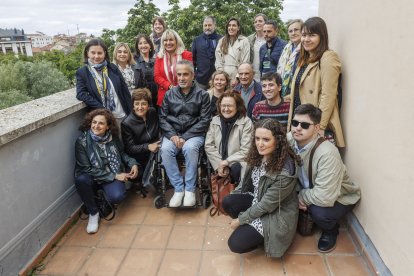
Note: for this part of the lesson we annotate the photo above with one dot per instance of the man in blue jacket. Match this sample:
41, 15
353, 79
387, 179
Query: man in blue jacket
249, 89
270, 51
203, 49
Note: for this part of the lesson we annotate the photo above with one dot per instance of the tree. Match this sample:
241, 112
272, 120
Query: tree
139, 21
22, 81
188, 21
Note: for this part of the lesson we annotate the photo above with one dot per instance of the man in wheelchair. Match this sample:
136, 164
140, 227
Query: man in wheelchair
184, 120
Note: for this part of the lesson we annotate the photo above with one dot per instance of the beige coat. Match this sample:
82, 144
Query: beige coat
238, 53
238, 145
330, 177
319, 86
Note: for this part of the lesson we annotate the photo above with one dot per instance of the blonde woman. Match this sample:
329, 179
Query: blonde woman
171, 51
123, 58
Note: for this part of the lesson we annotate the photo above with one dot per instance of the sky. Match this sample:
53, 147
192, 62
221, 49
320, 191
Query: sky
91, 16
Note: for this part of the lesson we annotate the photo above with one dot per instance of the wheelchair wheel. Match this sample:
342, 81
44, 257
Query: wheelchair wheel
159, 202
206, 201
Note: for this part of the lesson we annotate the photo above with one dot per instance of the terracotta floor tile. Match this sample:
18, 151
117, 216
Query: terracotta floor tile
141, 262
135, 199
220, 220
186, 237
180, 262
304, 244
344, 244
216, 238
220, 263
104, 261
81, 238
256, 263
347, 266
67, 235
191, 217
130, 214
152, 236
118, 236
67, 261
163, 216
309, 265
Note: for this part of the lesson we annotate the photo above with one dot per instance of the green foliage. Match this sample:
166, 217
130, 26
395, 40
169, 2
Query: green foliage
12, 97
139, 21
188, 21
23, 81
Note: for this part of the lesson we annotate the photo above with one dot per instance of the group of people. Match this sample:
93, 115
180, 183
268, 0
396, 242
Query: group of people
258, 105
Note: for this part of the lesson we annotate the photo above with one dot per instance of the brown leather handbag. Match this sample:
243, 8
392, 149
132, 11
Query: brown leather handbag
220, 187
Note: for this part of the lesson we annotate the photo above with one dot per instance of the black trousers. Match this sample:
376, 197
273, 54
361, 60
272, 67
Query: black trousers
245, 238
327, 218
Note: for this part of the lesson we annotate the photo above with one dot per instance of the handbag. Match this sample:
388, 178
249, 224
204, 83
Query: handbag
105, 208
220, 187
305, 222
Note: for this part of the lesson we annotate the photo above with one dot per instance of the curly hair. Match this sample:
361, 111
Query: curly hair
279, 155
110, 120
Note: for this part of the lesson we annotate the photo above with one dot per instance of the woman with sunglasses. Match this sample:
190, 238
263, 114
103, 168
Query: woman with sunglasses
316, 79
264, 207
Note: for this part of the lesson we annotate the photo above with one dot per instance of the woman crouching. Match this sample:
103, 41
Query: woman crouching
264, 208
100, 163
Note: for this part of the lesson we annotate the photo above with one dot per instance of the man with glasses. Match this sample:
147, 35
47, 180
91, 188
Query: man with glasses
327, 192
271, 51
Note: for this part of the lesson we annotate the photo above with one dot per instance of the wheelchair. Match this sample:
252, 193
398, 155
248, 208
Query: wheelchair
165, 190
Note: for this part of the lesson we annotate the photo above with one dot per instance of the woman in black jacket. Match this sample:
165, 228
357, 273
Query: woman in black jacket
145, 61
99, 84
140, 130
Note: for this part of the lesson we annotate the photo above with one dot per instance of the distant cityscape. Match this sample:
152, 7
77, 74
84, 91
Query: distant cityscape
18, 42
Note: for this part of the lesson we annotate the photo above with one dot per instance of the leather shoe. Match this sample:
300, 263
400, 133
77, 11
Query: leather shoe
327, 242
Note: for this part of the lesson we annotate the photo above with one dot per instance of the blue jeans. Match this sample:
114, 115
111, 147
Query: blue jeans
86, 186
190, 151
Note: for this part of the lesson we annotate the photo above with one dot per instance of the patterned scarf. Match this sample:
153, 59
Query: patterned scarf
109, 151
170, 67
287, 65
103, 83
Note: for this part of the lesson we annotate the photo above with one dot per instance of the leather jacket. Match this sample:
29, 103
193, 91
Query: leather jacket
186, 116
137, 134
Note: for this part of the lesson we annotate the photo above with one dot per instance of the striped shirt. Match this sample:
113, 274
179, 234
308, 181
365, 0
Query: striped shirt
278, 112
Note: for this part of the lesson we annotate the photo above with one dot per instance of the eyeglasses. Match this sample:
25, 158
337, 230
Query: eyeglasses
229, 106
304, 125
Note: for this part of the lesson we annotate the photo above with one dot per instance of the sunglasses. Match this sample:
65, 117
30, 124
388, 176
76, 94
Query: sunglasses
304, 125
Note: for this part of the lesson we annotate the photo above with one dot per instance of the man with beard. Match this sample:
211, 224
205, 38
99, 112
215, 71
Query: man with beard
270, 51
203, 48
184, 120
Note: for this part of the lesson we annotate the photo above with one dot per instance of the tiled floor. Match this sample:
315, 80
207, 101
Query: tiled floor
142, 240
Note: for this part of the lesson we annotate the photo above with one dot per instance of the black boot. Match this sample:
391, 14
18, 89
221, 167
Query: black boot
327, 241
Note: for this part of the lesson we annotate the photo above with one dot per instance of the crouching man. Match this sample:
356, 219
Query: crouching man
184, 120
326, 189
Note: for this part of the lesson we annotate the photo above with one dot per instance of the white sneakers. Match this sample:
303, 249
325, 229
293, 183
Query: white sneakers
189, 199
177, 198
93, 224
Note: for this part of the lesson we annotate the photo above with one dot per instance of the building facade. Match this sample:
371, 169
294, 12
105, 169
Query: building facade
15, 41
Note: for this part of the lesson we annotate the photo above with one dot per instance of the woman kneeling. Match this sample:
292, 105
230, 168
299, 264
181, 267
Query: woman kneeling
100, 163
264, 208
